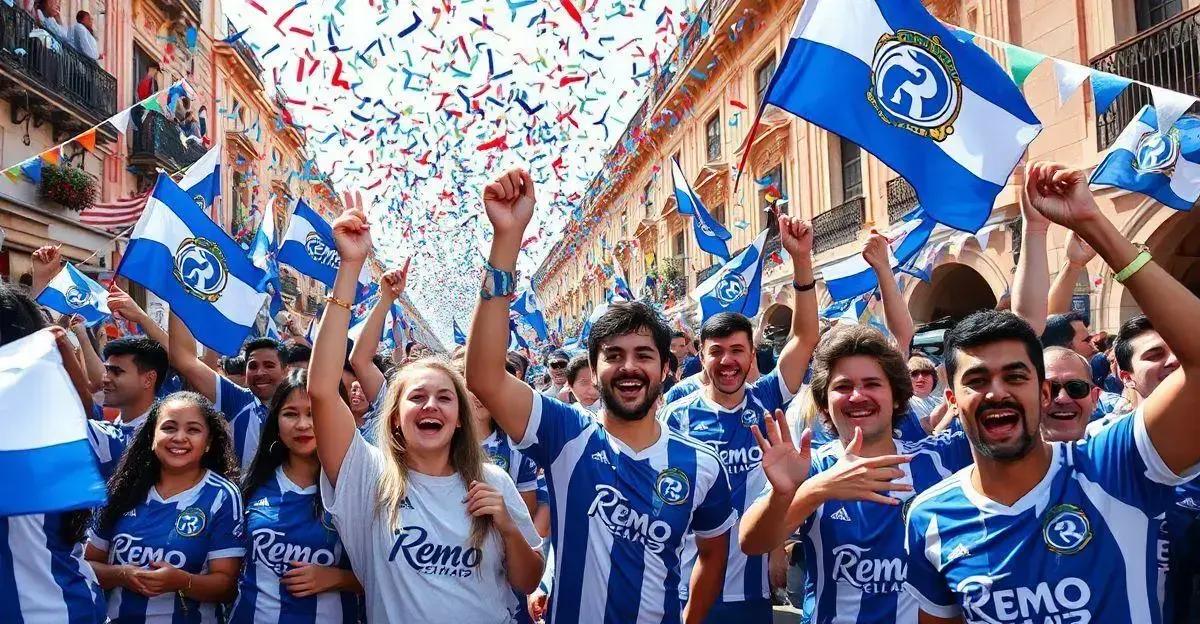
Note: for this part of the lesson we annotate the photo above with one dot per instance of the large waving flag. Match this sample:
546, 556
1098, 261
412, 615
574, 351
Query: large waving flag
43, 433
526, 306
179, 254
853, 276
891, 78
202, 182
308, 245
710, 235
1163, 166
586, 330
72, 292
736, 286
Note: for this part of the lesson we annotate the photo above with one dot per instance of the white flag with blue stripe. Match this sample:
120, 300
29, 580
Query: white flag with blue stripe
179, 254
711, 236
891, 78
1163, 166
853, 276
202, 181
45, 455
736, 286
72, 292
526, 306
308, 245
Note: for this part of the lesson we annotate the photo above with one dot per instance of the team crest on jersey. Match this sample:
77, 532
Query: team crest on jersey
672, 486
1067, 529
500, 461
190, 522
749, 418
915, 85
200, 267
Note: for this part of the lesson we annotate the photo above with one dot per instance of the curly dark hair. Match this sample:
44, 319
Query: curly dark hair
849, 340
140, 469
271, 451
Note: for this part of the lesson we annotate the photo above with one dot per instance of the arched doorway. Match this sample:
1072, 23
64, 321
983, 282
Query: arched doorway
1175, 245
954, 290
778, 325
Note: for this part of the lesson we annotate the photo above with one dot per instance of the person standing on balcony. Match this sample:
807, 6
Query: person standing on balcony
47, 12
83, 37
148, 85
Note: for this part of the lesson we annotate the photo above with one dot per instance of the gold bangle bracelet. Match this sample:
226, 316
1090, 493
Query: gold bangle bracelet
338, 302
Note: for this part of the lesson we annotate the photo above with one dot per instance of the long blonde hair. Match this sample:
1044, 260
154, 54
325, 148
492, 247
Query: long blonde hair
466, 456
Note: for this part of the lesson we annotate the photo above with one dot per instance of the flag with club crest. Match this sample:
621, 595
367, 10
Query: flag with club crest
711, 236
72, 292
1163, 166
736, 286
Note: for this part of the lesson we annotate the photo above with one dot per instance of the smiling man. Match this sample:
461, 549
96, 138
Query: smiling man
722, 413
1072, 396
1039, 531
624, 490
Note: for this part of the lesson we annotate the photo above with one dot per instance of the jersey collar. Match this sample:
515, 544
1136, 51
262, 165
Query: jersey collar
1033, 499
183, 498
286, 485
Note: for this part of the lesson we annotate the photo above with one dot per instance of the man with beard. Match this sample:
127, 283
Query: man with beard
1038, 530
721, 414
244, 407
624, 490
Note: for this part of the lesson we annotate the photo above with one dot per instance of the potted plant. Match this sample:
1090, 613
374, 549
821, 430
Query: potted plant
68, 186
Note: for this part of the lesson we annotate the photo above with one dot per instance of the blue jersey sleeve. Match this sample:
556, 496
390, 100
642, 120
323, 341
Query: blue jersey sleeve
527, 474
1122, 459
714, 515
771, 392
552, 424
952, 450
924, 582
232, 399
108, 444
227, 538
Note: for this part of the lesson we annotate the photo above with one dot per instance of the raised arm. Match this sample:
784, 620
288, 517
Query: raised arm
895, 311
363, 354
181, 351
120, 303
90, 359
1032, 280
797, 239
1170, 415
333, 422
47, 262
509, 202
1062, 290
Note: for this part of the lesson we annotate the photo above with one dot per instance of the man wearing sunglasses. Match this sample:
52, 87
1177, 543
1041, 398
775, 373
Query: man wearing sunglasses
557, 363
1072, 399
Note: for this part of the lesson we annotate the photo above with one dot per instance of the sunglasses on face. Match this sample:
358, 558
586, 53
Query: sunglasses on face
920, 373
1076, 388
558, 365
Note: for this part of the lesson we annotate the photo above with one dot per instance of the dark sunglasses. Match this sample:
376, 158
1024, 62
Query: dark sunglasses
558, 364
918, 373
1076, 388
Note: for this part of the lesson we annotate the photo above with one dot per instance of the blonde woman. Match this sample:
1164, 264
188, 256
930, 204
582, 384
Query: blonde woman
434, 531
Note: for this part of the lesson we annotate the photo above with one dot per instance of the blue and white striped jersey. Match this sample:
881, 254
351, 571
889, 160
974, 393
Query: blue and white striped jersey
684, 387
246, 415
728, 433
854, 550
503, 452
186, 531
619, 516
43, 578
110, 439
1081, 546
283, 528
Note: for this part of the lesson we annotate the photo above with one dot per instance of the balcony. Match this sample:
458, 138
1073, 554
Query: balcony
55, 82
157, 143
1167, 55
901, 197
245, 52
839, 225
704, 274
175, 8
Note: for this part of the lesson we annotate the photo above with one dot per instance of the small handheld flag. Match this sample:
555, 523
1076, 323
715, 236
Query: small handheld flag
737, 285
459, 337
853, 276
1163, 166
711, 236
202, 181
72, 292
526, 306
308, 245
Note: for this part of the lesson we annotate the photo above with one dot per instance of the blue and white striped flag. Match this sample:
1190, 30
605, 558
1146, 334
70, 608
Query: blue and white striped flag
586, 330
891, 78
526, 306
1163, 166
179, 254
43, 433
711, 236
72, 292
736, 286
308, 245
853, 276
202, 181
263, 251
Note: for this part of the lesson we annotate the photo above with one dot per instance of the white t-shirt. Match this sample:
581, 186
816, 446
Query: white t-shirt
426, 570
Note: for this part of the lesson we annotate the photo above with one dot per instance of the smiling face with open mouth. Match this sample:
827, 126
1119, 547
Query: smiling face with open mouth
181, 436
727, 361
860, 396
631, 372
999, 398
428, 411
264, 371
1072, 397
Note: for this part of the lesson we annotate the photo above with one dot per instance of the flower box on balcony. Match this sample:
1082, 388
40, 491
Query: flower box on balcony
68, 186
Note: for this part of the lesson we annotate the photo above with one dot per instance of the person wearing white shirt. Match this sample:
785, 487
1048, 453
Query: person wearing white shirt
83, 37
47, 16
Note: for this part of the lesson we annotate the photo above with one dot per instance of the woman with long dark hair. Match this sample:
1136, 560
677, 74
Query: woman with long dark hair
435, 531
54, 585
169, 543
297, 568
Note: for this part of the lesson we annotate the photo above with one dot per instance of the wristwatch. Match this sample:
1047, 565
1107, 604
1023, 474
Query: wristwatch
497, 283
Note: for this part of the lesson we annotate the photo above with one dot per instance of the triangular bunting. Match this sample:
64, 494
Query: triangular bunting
51, 155
1169, 106
87, 140
121, 120
1069, 77
13, 173
32, 169
1021, 62
152, 104
1105, 88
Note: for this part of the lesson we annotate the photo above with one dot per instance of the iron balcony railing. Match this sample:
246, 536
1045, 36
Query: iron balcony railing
158, 142
243, 49
839, 225
61, 71
706, 273
901, 198
1167, 55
